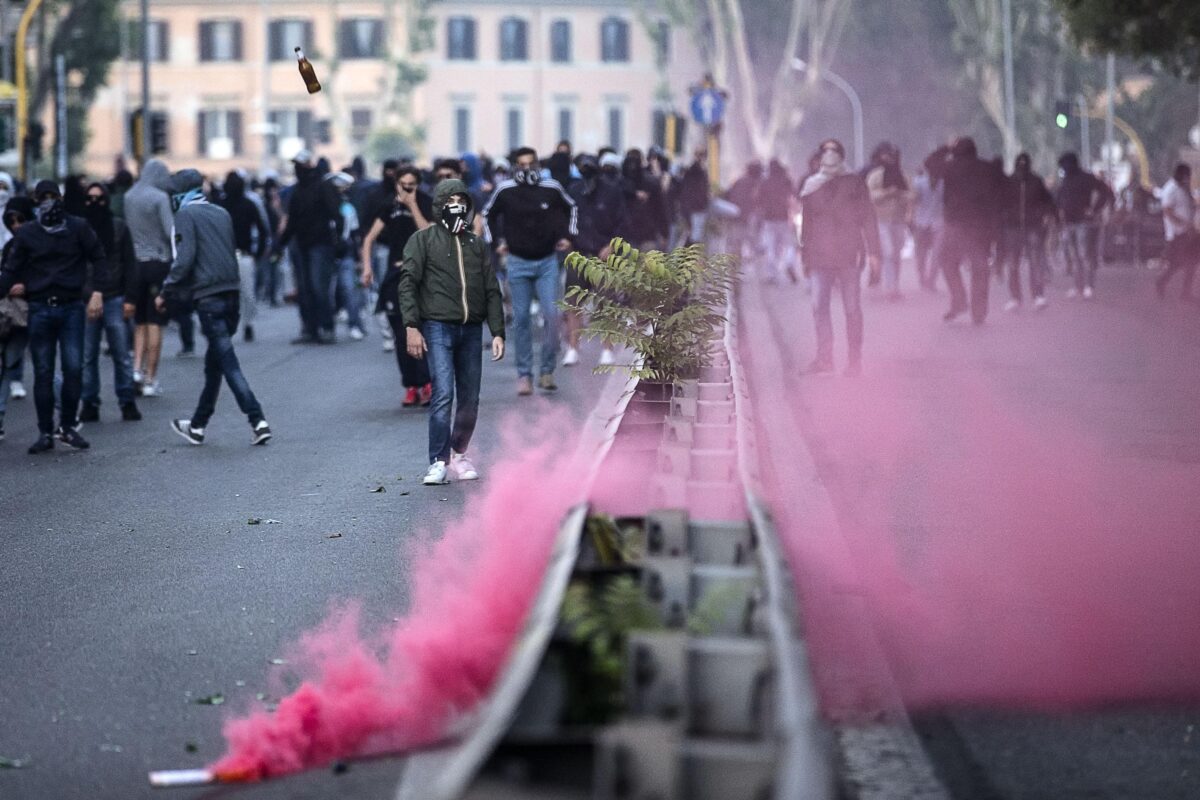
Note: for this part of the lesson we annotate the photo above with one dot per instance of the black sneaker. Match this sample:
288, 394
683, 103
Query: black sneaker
186, 352
72, 439
89, 413
184, 428
44, 442
1, 431
262, 433
130, 413
248, 334
304, 339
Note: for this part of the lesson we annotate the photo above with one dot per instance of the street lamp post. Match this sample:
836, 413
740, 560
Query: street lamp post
1010, 103
800, 65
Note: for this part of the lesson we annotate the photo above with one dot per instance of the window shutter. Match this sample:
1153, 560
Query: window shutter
274, 40
235, 131
377, 39
164, 41
272, 143
308, 36
470, 39
345, 39
202, 134
237, 39
304, 127
205, 41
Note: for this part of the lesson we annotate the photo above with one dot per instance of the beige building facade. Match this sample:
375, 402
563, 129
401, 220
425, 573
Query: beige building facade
491, 76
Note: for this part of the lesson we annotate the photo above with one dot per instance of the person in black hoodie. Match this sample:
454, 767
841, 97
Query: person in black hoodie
18, 211
646, 224
972, 213
1028, 207
601, 207
60, 262
118, 288
250, 237
1082, 198
313, 227
838, 227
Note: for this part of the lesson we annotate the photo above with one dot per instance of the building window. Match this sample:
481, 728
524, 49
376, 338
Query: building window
560, 41
516, 136
460, 39
159, 40
662, 42
221, 40
614, 39
566, 124
514, 39
285, 35
360, 124
219, 134
616, 128
360, 38
293, 131
462, 129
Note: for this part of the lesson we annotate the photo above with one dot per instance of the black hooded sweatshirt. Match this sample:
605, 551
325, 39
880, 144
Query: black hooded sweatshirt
67, 264
314, 215
246, 218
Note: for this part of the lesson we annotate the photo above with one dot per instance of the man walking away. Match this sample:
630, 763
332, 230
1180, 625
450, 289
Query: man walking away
1082, 198
147, 210
1028, 205
120, 283
314, 222
890, 194
447, 288
839, 226
250, 238
206, 272
972, 197
744, 194
601, 205
530, 218
774, 204
14, 311
59, 261
693, 196
1183, 242
927, 225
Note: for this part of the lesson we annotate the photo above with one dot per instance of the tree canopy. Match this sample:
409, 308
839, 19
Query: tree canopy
1165, 31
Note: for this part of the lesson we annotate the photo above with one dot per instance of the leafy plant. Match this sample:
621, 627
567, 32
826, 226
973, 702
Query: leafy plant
663, 306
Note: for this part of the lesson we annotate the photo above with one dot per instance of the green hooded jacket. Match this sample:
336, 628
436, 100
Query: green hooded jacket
448, 277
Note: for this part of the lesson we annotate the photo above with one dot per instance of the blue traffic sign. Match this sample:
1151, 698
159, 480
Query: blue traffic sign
708, 106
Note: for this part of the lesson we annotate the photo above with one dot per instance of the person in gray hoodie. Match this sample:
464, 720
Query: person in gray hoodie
205, 273
148, 215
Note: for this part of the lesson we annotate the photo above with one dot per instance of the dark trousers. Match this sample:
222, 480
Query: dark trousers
219, 316
314, 271
1181, 254
414, 372
1027, 244
456, 366
959, 244
925, 242
849, 282
111, 325
57, 330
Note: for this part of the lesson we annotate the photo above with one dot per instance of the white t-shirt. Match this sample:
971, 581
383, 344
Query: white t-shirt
1179, 200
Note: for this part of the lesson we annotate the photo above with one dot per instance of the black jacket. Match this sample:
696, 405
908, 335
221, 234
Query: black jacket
246, 219
314, 215
121, 280
1081, 197
1027, 202
838, 225
973, 194
645, 220
68, 264
601, 211
531, 219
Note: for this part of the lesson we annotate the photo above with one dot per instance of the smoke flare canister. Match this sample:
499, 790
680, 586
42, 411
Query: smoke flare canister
182, 777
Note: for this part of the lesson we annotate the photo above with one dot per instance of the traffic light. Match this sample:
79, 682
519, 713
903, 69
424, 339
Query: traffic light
1062, 114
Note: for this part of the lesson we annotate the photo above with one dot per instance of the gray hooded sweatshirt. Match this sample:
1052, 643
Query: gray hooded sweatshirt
148, 213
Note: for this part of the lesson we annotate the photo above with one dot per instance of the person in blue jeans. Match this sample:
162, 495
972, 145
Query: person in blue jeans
447, 289
314, 225
205, 270
531, 219
121, 283
59, 262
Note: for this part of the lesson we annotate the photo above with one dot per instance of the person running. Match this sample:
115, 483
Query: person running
838, 226
1082, 198
890, 194
1179, 222
1028, 206
530, 218
120, 284
447, 289
314, 225
205, 270
147, 211
971, 212
411, 210
774, 205
601, 205
14, 311
251, 238
59, 261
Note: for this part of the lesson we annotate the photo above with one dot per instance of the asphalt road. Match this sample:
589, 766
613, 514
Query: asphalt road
133, 583
953, 436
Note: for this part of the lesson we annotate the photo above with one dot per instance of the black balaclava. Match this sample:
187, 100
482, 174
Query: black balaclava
99, 215
632, 167
19, 207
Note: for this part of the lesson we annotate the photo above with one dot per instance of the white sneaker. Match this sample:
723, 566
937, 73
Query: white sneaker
138, 377
389, 345
356, 333
16, 390
1072, 293
1088, 294
571, 358
342, 316
436, 475
462, 467
261, 433
1012, 305
1039, 303
607, 358
152, 390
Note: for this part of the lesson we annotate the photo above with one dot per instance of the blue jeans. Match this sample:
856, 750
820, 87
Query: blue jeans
455, 360
850, 283
314, 271
112, 325
12, 350
350, 291
892, 236
525, 279
219, 316
57, 330
1080, 244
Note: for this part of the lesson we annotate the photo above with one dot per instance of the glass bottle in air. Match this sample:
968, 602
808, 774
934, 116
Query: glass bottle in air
308, 73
